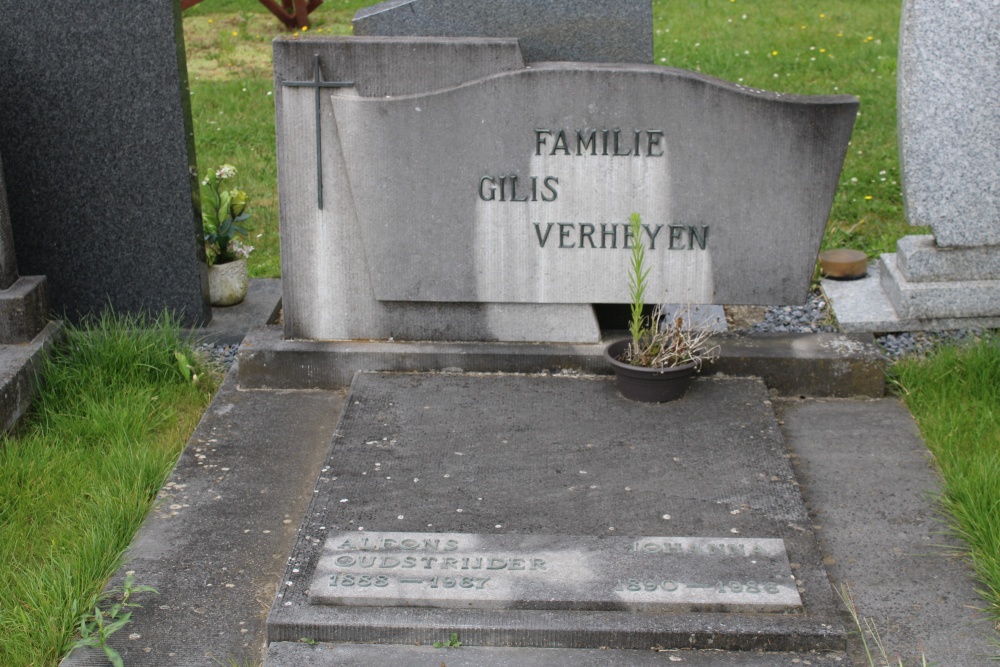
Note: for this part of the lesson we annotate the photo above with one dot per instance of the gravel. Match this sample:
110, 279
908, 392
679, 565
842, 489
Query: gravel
224, 355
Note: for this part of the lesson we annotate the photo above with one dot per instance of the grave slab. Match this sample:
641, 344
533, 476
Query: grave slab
920, 259
464, 570
520, 457
585, 30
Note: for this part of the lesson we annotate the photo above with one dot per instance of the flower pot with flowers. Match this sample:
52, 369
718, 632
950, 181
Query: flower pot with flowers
223, 208
658, 362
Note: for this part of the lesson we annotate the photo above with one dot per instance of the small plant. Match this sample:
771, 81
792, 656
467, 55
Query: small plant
96, 628
221, 211
451, 643
657, 343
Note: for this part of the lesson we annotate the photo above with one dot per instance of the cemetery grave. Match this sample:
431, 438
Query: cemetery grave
453, 190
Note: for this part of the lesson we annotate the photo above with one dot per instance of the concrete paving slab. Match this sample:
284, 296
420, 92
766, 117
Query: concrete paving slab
868, 481
532, 455
224, 523
288, 654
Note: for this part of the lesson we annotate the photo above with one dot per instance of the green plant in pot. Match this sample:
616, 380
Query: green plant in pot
223, 209
660, 359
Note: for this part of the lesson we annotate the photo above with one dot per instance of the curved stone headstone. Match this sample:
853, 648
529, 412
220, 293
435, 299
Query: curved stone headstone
583, 30
949, 119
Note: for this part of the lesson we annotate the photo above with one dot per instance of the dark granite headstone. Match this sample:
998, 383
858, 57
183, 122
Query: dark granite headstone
614, 31
99, 155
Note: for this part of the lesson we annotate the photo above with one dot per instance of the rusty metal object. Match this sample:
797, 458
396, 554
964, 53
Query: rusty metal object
843, 264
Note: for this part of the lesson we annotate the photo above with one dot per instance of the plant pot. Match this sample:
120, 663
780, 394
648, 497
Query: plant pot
646, 384
227, 283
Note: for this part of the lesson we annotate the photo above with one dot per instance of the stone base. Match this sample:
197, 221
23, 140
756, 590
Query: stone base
24, 310
19, 365
920, 260
862, 306
824, 364
938, 299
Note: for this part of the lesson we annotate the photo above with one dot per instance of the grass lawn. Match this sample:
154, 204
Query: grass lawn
76, 483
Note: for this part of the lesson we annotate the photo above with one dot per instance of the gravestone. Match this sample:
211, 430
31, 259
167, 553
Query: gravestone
99, 155
584, 30
461, 195
949, 140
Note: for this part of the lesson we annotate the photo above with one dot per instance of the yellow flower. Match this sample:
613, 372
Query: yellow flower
304, 28
774, 53
822, 16
211, 20
822, 50
867, 197
235, 33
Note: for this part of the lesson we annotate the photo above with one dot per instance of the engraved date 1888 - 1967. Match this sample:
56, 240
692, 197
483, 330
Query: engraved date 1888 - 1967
381, 581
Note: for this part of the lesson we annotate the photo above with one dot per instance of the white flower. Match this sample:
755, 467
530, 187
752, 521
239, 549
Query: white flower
226, 171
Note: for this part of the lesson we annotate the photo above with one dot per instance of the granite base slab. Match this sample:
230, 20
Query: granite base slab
938, 299
919, 259
513, 455
862, 306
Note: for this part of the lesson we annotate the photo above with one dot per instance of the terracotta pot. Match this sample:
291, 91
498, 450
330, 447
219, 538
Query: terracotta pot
645, 384
227, 283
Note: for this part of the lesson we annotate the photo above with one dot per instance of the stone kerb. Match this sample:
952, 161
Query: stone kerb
486, 200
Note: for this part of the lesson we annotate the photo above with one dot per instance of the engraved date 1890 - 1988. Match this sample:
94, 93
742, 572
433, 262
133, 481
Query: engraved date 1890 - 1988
381, 581
669, 586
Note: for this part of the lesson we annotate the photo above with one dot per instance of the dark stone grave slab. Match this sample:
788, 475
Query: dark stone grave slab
530, 459
464, 570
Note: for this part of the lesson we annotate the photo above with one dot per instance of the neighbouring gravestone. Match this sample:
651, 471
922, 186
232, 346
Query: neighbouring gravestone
949, 140
24, 300
584, 30
99, 155
440, 189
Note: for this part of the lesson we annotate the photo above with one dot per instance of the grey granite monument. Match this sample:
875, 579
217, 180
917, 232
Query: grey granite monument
99, 155
462, 195
949, 142
584, 30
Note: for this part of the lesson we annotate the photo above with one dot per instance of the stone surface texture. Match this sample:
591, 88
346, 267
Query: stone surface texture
414, 227
515, 455
572, 572
949, 119
99, 157
585, 30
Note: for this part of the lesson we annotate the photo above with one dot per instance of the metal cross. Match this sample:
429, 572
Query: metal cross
317, 83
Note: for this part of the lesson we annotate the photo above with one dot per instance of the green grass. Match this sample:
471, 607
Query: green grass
794, 46
77, 481
954, 394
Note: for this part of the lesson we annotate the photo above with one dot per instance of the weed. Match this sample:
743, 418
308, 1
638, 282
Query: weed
451, 643
96, 627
